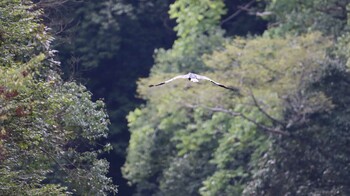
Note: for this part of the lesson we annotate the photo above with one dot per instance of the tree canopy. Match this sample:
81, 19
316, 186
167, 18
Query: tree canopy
285, 133
49, 128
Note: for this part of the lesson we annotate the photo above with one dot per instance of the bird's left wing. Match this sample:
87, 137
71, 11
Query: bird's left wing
170, 80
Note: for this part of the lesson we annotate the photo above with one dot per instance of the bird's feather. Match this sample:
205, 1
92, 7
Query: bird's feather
170, 80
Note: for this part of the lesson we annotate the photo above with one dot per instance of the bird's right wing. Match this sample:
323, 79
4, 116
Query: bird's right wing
217, 83
206, 78
170, 80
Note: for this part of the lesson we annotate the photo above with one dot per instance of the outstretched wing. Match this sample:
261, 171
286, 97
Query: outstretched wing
217, 83
172, 79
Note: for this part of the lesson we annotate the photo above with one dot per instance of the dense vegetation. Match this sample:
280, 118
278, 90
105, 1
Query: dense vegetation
49, 128
287, 131
109, 44
284, 133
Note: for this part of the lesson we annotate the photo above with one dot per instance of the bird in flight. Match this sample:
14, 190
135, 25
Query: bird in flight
194, 78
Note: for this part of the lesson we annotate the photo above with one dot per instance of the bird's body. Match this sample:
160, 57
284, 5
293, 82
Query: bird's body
194, 78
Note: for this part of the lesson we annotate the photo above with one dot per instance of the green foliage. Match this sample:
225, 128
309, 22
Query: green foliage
274, 75
184, 59
98, 47
49, 129
155, 149
149, 150
97, 21
239, 146
285, 83
314, 160
195, 18
109, 56
198, 33
17, 27
341, 50
327, 16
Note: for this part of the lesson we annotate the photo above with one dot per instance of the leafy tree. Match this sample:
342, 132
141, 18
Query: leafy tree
48, 128
284, 135
198, 33
273, 85
225, 146
204, 37
329, 17
307, 163
310, 161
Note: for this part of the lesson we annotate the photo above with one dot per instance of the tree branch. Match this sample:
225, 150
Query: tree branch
238, 114
263, 111
241, 9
